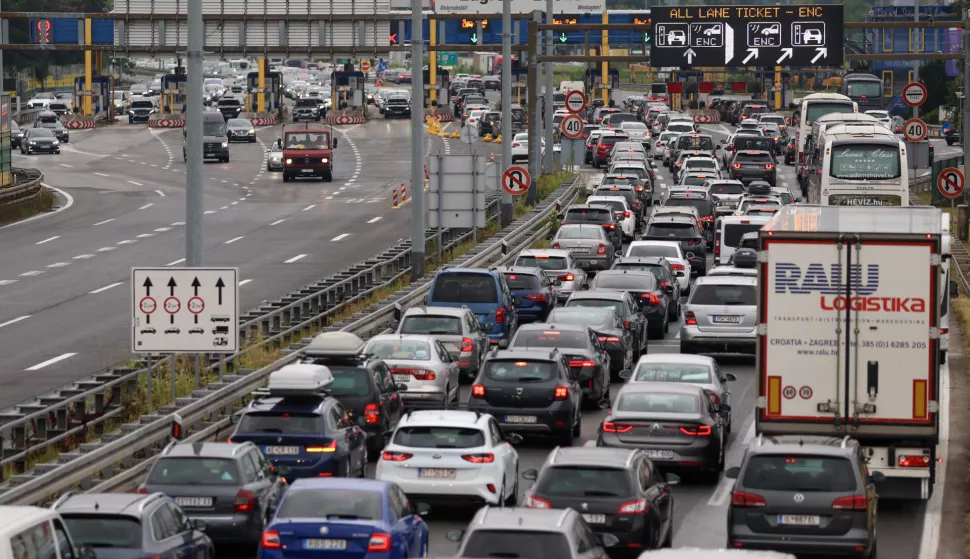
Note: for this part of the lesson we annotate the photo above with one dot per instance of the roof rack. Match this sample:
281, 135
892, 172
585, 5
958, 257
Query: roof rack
335, 345
298, 380
434, 406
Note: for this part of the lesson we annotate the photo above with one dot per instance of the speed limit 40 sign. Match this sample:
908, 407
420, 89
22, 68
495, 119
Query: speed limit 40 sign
914, 130
571, 127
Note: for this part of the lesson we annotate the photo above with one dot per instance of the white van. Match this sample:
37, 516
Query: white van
727, 235
36, 533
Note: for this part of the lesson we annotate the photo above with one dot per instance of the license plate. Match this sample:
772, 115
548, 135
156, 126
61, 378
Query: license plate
520, 419
402, 378
595, 518
283, 450
325, 544
799, 519
199, 502
306, 171
660, 454
584, 250
437, 473
726, 319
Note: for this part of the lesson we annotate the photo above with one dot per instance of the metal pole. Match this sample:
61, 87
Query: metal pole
474, 196
175, 359
417, 141
547, 164
441, 239
193, 138
148, 381
964, 128
507, 31
919, 33
533, 97
538, 99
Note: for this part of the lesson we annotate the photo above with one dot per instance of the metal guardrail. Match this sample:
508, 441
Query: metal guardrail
52, 419
27, 116
26, 186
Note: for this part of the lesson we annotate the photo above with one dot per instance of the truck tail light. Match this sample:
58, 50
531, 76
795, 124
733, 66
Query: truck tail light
915, 461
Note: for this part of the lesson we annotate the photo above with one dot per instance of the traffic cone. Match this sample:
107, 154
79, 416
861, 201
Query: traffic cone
394, 199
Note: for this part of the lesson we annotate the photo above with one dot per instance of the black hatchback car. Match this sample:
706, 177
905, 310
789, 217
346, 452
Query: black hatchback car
630, 313
706, 210
619, 492
608, 328
585, 214
684, 230
530, 391
646, 291
662, 269
804, 495
39, 140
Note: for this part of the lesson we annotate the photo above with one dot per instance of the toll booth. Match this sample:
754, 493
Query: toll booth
441, 88
274, 84
100, 93
172, 98
594, 82
348, 90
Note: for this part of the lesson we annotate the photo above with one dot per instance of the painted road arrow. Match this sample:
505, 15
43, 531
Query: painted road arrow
148, 287
822, 53
220, 285
690, 54
752, 53
786, 53
196, 284
171, 287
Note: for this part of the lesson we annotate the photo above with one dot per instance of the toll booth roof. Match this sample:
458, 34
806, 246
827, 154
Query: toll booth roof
798, 218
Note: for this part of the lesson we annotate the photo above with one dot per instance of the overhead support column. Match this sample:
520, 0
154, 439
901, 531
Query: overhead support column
261, 85
432, 63
532, 90
88, 74
508, 28
548, 135
778, 98
418, 219
193, 136
605, 51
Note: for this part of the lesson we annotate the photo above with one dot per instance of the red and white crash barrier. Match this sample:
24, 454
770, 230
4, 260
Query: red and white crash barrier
79, 124
394, 199
263, 121
404, 193
166, 123
334, 119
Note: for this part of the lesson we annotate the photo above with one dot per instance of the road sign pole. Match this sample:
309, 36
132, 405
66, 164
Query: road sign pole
548, 164
417, 141
507, 31
532, 96
193, 138
918, 48
964, 129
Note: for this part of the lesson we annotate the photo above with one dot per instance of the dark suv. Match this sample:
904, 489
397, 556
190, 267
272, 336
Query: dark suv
701, 202
682, 229
585, 214
804, 494
750, 166
306, 109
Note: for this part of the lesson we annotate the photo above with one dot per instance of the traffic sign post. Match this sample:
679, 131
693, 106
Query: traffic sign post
571, 126
914, 130
516, 180
740, 36
365, 65
575, 101
914, 94
199, 310
951, 183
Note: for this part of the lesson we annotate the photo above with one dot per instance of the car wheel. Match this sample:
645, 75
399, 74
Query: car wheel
286, 178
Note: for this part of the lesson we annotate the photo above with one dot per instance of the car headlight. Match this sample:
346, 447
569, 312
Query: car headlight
55, 142
225, 144
252, 131
324, 160
289, 161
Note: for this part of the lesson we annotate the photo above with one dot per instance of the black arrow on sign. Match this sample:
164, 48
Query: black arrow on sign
196, 284
220, 285
148, 286
171, 287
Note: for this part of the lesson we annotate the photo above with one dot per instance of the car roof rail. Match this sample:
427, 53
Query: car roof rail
62, 499
168, 448
149, 499
845, 441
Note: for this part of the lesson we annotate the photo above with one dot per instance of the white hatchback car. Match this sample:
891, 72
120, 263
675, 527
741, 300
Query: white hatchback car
520, 147
452, 457
672, 252
624, 215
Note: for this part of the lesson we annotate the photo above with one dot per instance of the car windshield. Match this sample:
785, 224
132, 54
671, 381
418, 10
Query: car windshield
550, 338
671, 229
517, 544
42, 133
657, 402
464, 288
520, 371
410, 350
617, 306
350, 381
802, 473
584, 481
624, 281
542, 261
817, 109
728, 189
439, 437
673, 372
104, 530
521, 281
430, 324
213, 129
666, 251
865, 161
332, 503
194, 471
142, 105
307, 140
723, 294
579, 232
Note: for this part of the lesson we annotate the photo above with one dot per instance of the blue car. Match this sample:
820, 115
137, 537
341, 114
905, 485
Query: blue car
533, 294
482, 290
345, 518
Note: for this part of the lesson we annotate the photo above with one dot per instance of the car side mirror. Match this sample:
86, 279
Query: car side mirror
531, 474
625, 374
722, 407
607, 539
422, 509
954, 290
672, 479
680, 274
455, 535
730, 377
732, 472
877, 477
717, 148
361, 421
557, 283
668, 289
799, 200
513, 438
721, 141
335, 143
503, 344
198, 524
516, 301
86, 552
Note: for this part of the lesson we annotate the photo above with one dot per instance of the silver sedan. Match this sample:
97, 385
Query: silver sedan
423, 370
589, 244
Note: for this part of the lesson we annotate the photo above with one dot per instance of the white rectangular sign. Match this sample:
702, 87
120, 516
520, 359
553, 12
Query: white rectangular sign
570, 7
185, 310
456, 191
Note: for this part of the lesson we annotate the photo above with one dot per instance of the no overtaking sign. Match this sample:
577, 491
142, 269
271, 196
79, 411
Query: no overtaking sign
914, 94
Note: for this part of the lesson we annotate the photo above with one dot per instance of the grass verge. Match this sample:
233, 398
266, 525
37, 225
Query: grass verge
28, 208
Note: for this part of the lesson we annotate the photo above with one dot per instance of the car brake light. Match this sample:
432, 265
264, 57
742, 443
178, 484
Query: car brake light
142, 491
651, 298
610, 427
466, 345
372, 414
697, 431
775, 138
680, 164
745, 500
601, 249
379, 543
707, 218
915, 461
500, 315
769, 166
555, 245
245, 501
611, 339
515, 144
423, 374
562, 392
639, 189
736, 165
478, 391
391, 456
852, 502
716, 399
271, 540
633, 507
665, 284
537, 503
626, 214
537, 297
690, 319
680, 267
332, 447
478, 458
579, 363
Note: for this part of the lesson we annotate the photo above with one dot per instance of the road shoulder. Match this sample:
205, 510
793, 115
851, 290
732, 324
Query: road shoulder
954, 527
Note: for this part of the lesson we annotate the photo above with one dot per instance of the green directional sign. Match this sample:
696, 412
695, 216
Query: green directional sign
473, 39
646, 37
447, 58
563, 37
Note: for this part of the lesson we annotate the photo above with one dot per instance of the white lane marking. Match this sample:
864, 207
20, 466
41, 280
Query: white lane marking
145, 235
278, 221
83, 256
341, 236
100, 175
207, 212
310, 207
177, 223
51, 361
146, 206
163, 229
48, 240
179, 261
375, 220
329, 198
126, 242
295, 258
224, 208
105, 249
58, 264
7, 282
230, 241
66, 165
723, 491
105, 288
590, 444
234, 203
160, 193
242, 283
105, 221
930, 542
31, 273
14, 320
135, 183
243, 199
70, 202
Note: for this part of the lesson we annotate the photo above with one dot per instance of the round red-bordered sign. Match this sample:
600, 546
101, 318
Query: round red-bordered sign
914, 94
951, 182
365, 65
571, 126
516, 180
805, 392
789, 392
575, 101
172, 305
914, 130
196, 305
148, 305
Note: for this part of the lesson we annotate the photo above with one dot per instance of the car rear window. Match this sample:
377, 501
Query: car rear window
638, 171
657, 402
622, 281
521, 281
758, 143
517, 543
195, 471
617, 118
700, 164
584, 481
703, 207
585, 215
631, 180
678, 230
689, 142
673, 372
439, 437
754, 109
654, 250
550, 338
332, 504
429, 324
629, 195
728, 189
617, 306
655, 269
752, 157
610, 140
733, 232
542, 261
783, 472
464, 288
104, 530
742, 295
577, 315
520, 371
695, 181
615, 205
350, 381
410, 350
